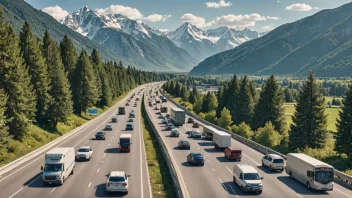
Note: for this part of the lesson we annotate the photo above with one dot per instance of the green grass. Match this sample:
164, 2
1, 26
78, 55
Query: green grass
160, 179
329, 99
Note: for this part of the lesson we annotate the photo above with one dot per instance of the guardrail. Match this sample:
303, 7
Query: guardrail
172, 171
265, 150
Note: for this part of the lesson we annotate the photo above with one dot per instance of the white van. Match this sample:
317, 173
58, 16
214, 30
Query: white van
247, 178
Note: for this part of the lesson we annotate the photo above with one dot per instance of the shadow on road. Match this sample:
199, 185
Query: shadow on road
267, 171
298, 187
224, 159
232, 187
100, 191
36, 182
112, 150
213, 150
206, 143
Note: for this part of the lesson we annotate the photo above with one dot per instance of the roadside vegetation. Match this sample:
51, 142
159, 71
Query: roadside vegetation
160, 179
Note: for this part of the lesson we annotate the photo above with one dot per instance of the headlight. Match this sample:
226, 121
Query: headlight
57, 176
260, 185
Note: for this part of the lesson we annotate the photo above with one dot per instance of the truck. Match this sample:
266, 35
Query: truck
125, 142
221, 139
163, 109
208, 132
59, 164
163, 99
178, 116
313, 173
122, 110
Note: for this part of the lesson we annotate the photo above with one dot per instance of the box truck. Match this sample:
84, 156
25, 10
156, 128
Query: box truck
311, 172
178, 116
221, 139
125, 142
208, 132
59, 164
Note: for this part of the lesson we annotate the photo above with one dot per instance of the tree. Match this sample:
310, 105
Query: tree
209, 103
211, 117
231, 93
185, 93
270, 106
85, 91
225, 119
68, 56
243, 130
61, 105
309, 121
15, 81
244, 112
288, 95
343, 142
268, 136
38, 70
4, 134
197, 108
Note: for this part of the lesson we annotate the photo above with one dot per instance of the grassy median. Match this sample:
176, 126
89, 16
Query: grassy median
160, 178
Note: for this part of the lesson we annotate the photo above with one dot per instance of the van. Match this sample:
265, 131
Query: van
125, 142
233, 153
247, 178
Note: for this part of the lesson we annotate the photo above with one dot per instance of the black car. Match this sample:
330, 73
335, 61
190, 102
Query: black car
129, 126
183, 144
195, 159
100, 136
114, 119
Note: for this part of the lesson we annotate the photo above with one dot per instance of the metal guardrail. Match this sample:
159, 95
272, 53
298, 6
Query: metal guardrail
172, 171
265, 150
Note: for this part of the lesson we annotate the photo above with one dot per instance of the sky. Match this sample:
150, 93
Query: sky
259, 15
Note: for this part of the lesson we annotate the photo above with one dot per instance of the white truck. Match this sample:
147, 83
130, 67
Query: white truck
221, 139
178, 116
59, 164
311, 172
208, 132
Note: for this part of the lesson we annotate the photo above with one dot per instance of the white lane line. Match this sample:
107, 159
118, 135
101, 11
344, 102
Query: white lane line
86, 143
213, 169
15, 193
52, 190
222, 184
104, 155
89, 184
102, 161
115, 133
109, 145
251, 159
98, 170
228, 169
199, 148
112, 138
140, 153
234, 192
342, 192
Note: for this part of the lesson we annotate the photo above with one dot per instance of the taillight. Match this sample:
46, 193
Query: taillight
125, 184
108, 184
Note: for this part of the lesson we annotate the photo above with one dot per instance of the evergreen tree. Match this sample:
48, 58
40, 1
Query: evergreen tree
343, 142
4, 134
177, 89
309, 121
97, 67
233, 101
225, 119
270, 106
61, 106
197, 108
85, 92
288, 95
223, 97
68, 56
15, 81
38, 70
244, 112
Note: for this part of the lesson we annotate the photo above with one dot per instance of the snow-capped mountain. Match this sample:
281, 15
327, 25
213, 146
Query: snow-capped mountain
144, 46
204, 43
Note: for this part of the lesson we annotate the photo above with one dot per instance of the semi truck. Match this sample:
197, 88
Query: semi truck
208, 132
178, 116
313, 173
221, 139
125, 142
59, 164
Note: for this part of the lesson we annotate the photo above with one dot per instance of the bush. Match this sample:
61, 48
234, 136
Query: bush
243, 130
201, 115
268, 136
211, 117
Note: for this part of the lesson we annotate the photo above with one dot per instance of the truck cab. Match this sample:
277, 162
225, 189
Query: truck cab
125, 142
233, 153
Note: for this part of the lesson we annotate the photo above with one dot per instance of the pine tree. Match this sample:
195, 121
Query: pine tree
68, 56
233, 101
4, 133
61, 106
270, 106
96, 63
225, 119
85, 93
343, 142
223, 97
32, 55
15, 81
288, 95
244, 112
309, 121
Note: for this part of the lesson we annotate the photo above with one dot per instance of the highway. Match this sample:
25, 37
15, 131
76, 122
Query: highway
215, 178
89, 177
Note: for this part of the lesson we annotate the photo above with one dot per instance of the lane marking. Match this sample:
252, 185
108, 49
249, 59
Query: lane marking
34, 180
228, 169
102, 161
140, 147
109, 145
89, 184
86, 143
98, 170
222, 184
343, 192
234, 192
15, 193
213, 169
251, 159
52, 190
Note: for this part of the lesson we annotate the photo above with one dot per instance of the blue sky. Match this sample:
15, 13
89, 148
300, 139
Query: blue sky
260, 15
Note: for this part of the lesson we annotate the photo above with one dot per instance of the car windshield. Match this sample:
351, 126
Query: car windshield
184, 143
129, 125
197, 155
53, 167
100, 133
114, 118
116, 179
83, 150
278, 161
196, 132
236, 151
108, 126
324, 177
251, 176
174, 131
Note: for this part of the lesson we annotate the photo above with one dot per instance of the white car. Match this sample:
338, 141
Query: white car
273, 162
117, 182
84, 153
247, 178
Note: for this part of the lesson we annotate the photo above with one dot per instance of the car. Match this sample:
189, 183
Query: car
108, 127
164, 121
233, 153
195, 159
169, 126
167, 115
84, 153
273, 162
135, 105
196, 134
156, 108
183, 144
100, 135
174, 133
195, 125
132, 115
130, 120
137, 99
129, 126
190, 120
127, 104
161, 116
114, 119
247, 178
117, 182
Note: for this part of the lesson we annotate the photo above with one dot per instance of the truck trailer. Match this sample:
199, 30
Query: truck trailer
208, 132
178, 116
221, 139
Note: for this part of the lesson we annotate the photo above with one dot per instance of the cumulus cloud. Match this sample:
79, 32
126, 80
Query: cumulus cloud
268, 28
129, 12
221, 3
56, 11
273, 18
195, 20
157, 18
238, 21
300, 7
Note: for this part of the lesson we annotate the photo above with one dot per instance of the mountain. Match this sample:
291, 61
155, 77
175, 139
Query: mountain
321, 43
135, 41
202, 44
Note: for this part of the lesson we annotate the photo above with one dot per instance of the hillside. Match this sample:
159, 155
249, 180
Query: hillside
322, 43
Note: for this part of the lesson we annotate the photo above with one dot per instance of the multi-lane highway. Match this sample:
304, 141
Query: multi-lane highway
215, 178
89, 177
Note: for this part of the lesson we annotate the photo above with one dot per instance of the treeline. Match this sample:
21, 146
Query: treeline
235, 108
201, 81
43, 82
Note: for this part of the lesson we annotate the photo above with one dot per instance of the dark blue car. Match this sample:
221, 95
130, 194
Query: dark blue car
195, 159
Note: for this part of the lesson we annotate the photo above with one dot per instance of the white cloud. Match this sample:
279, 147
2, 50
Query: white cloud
163, 30
278, 1
157, 18
273, 18
221, 3
56, 11
238, 21
129, 12
268, 28
195, 20
299, 7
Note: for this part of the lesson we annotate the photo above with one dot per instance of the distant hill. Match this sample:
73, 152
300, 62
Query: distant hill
321, 43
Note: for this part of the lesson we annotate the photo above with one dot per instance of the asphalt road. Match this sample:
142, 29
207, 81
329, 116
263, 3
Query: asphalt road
215, 178
89, 177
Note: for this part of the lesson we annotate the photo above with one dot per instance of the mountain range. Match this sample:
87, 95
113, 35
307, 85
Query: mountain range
321, 43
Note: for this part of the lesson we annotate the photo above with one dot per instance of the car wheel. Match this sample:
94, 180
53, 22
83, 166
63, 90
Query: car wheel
242, 190
308, 185
291, 175
72, 172
202, 164
263, 165
260, 192
107, 192
270, 168
234, 179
